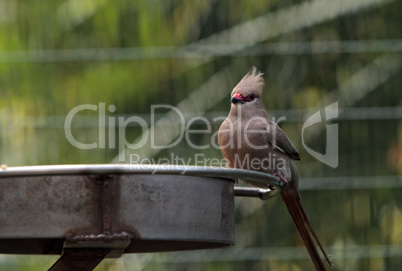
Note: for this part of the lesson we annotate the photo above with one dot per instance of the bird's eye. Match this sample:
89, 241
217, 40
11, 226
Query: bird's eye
251, 97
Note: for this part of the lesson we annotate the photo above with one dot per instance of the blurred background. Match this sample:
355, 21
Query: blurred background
59, 54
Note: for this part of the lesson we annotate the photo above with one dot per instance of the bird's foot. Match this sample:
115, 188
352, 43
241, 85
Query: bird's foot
271, 187
281, 177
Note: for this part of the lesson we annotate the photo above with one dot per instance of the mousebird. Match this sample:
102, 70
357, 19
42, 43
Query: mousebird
249, 140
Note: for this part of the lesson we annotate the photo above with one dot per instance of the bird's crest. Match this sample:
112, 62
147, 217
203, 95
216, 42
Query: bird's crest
252, 82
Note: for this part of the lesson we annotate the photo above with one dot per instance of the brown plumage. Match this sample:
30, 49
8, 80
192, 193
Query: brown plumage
250, 140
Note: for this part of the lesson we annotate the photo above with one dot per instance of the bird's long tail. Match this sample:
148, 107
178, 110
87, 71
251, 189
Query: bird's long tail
291, 198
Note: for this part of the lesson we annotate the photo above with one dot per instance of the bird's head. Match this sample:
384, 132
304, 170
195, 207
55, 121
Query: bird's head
248, 91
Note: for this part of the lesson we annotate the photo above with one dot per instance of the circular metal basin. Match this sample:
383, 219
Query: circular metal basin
153, 208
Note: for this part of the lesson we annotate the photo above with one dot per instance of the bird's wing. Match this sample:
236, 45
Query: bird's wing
278, 139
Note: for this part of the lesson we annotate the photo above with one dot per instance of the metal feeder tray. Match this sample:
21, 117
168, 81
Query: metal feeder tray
111, 209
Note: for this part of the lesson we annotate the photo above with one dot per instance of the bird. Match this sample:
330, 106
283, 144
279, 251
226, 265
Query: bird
249, 139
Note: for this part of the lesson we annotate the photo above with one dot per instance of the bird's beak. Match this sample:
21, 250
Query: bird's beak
237, 98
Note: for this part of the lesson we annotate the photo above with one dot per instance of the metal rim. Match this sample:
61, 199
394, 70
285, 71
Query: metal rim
199, 171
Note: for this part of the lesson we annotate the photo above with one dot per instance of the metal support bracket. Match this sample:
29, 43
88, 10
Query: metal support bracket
263, 194
116, 242
85, 252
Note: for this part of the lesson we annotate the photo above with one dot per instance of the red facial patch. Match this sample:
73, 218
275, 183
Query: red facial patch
243, 99
238, 96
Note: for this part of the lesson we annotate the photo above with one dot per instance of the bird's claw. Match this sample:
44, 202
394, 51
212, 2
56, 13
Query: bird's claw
282, 178
271, 187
